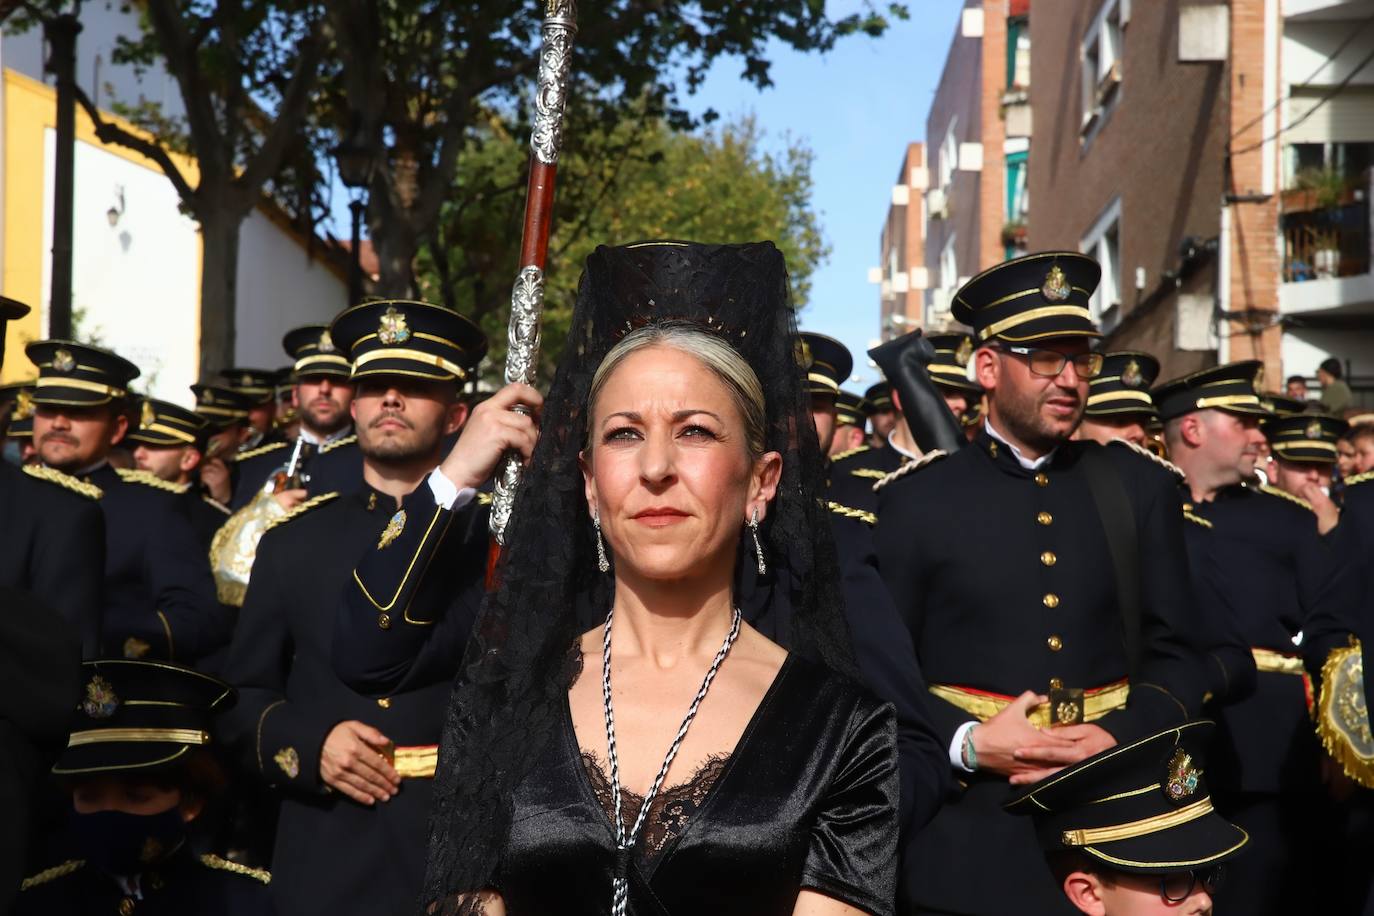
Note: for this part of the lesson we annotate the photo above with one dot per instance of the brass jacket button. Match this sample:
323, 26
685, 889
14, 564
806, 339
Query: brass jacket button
1045, 518
384, 621
1051, 600
1055, 643
1048, 558
1041, 480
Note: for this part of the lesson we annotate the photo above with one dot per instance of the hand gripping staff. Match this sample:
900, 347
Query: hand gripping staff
527, 295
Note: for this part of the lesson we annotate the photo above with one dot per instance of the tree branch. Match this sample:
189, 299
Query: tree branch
180, 56
108, 132
267, 160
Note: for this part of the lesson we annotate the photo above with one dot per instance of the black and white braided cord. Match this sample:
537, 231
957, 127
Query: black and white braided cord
625, 842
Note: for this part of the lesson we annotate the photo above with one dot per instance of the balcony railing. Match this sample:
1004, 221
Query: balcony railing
1328, 242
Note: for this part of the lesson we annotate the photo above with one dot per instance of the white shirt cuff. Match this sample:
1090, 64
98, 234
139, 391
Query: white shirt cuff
956, 747
447, 494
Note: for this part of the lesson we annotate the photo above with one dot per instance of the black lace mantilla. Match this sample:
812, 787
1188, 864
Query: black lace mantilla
512, 686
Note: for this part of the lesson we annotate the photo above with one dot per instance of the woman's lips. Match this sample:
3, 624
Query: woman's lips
659, 517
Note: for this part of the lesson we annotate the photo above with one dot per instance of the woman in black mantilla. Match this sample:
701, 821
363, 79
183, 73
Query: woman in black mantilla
675, 447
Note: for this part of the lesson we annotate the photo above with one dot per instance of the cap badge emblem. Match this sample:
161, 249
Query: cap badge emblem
326, 343
961, 355
245, 380
393, 328
148, 417
1056, 285
207, 397
23, 405
1313, 430
1130, 376
289, 761
1183, 776
62, 361
803, 354
101, 701
392, 530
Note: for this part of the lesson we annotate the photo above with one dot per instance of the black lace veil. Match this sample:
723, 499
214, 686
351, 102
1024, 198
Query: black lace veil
514, 678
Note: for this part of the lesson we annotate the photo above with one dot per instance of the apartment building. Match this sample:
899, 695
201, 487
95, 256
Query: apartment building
902, 277
977, 149
1215, 159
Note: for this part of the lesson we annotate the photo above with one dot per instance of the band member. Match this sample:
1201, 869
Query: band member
850, 425
1277, 575
1119, 405
1132, 830
226, 412
882, 416
170, 443
354, 772
140, 780
1043, 582
159, 601
320, 398
259, 386
1303, 449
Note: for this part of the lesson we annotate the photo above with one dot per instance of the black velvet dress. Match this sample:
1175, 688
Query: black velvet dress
807, 799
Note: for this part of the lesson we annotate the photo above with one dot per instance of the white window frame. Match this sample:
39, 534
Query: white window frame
1100, 65
949, 264
949, 154
1105, 302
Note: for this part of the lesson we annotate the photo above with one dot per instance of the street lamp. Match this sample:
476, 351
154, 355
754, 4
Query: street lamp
354, 160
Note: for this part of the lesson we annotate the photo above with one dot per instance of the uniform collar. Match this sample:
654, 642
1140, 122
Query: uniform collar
892, 444
1027, 464
313, 439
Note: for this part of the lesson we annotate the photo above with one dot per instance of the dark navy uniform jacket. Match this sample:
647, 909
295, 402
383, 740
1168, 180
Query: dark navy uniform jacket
332, 854
159, 596
1277, 572
1005, 581
852, 477
52, 545
186, 885
205, 514
335, 467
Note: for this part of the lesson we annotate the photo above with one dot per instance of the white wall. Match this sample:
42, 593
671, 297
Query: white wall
1308, 45
1303, 349
135, 285
279, 288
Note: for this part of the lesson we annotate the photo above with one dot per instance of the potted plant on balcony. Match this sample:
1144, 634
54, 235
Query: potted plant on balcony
1317, 189
1014, 234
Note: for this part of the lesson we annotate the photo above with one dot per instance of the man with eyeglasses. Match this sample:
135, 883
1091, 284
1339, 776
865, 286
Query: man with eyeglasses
1132, 832
1044, 585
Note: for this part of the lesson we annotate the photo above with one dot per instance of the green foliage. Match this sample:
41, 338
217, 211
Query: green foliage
641, 179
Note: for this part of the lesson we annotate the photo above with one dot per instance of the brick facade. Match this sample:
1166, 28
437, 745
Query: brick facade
902, 249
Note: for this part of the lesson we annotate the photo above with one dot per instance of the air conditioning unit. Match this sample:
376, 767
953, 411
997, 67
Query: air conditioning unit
937, 203
901, 195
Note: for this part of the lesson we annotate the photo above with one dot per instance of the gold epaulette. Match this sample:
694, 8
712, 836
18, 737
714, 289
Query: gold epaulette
868, 518
1343, 716
1284, 494
1196, 519
311, 503
129, 475
1145, 452
52, 874
910, 466
338, 443
850, 453
216, 504
260, 450
872, 473
210, 860
1359, 478
52, 475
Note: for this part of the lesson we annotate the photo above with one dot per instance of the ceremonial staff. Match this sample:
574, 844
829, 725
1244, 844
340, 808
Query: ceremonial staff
527, 295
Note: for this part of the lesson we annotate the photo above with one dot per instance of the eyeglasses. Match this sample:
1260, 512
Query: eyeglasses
1177, 887
1049, 363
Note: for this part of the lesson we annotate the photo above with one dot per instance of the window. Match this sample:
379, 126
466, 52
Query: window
1100, 55
949, 264
1018, 52
949, 154
1102, 243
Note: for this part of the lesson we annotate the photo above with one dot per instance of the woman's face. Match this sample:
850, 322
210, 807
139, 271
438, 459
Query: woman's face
668, 468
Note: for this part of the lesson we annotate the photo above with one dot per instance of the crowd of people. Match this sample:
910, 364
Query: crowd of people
1023, 628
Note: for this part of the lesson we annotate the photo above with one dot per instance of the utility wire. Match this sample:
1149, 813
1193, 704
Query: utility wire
1313, 75
1335, 91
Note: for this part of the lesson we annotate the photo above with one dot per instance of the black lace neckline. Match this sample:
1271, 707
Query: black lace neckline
672, 810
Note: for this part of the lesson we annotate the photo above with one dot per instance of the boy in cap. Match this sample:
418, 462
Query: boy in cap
140, 775
1132, 832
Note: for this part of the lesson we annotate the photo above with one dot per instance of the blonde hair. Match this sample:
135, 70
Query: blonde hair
723, 361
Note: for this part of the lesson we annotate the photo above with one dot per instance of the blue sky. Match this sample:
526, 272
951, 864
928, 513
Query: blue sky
857, 108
